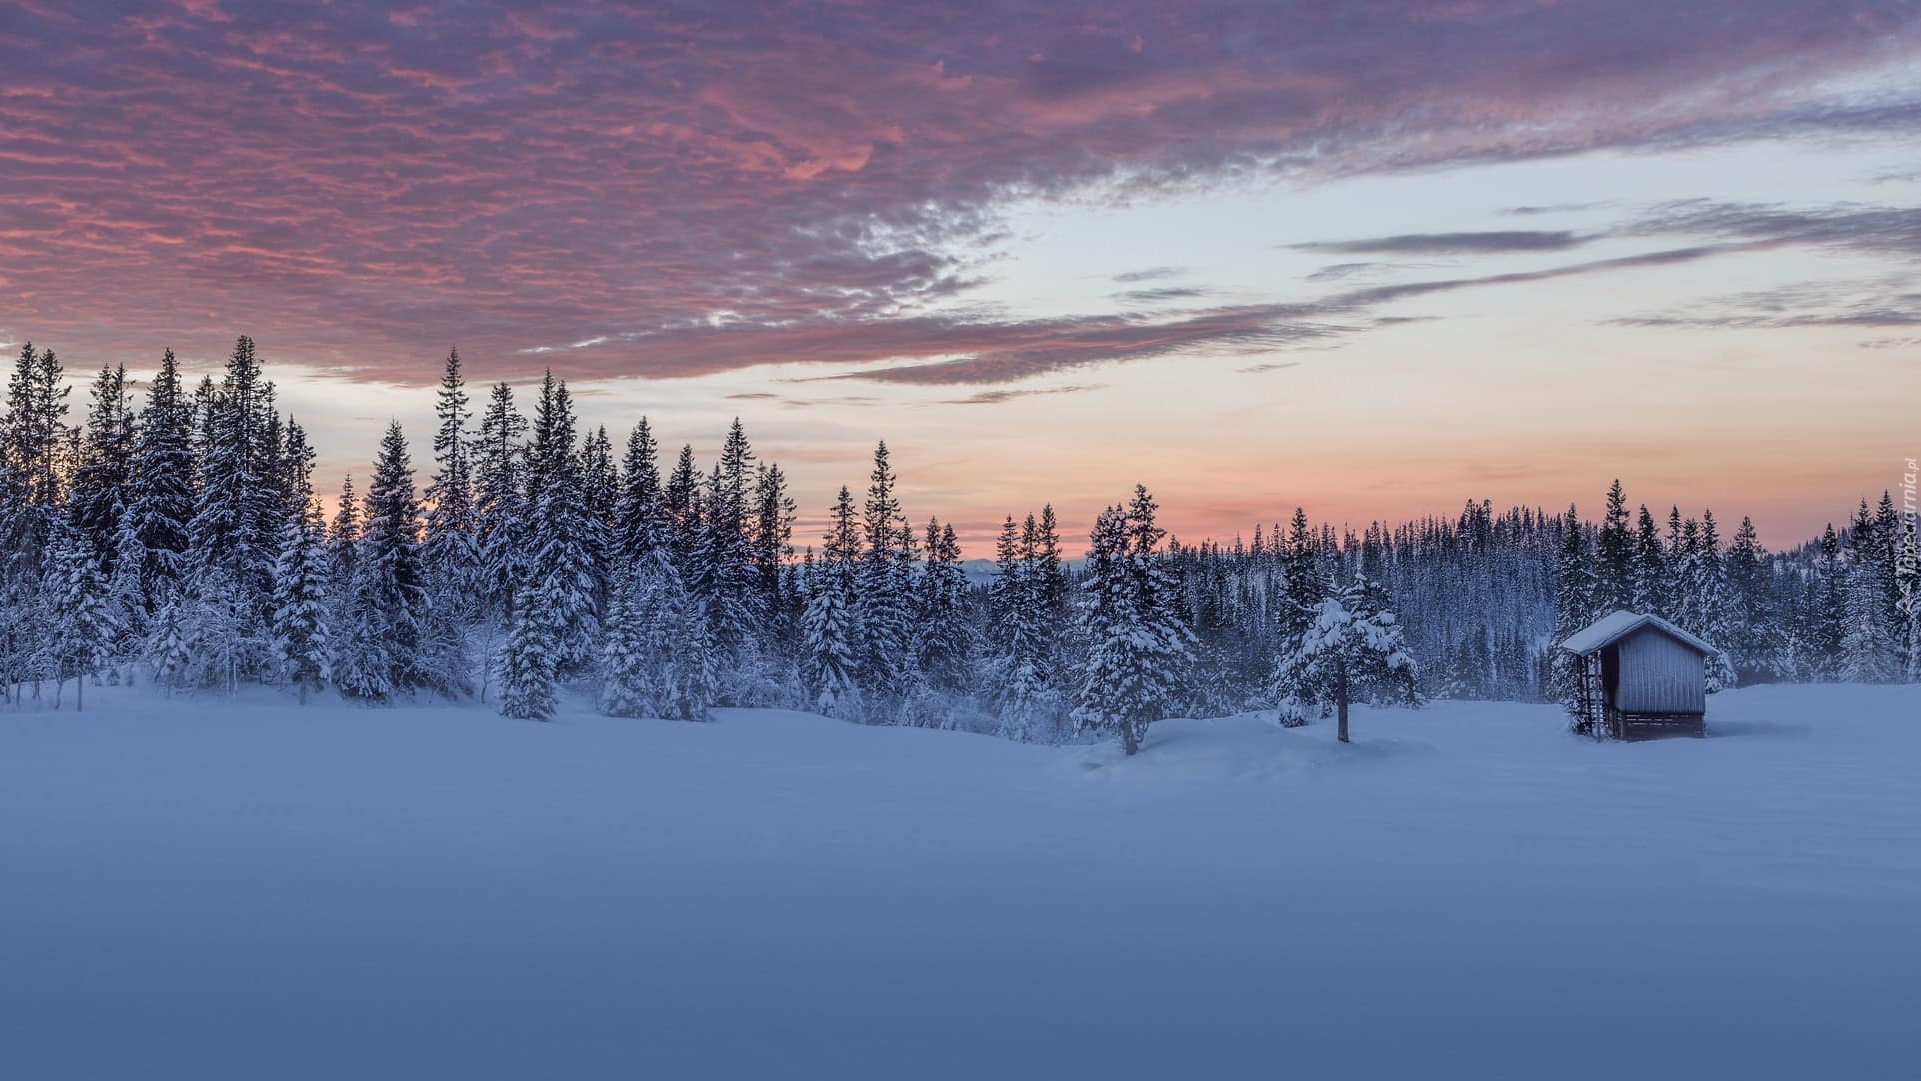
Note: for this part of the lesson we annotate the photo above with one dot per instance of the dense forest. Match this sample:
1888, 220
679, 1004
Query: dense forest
178, 539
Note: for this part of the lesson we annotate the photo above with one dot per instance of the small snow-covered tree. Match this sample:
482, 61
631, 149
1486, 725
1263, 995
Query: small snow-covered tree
1352, 649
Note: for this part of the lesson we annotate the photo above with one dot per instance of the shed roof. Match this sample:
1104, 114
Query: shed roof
1617, 625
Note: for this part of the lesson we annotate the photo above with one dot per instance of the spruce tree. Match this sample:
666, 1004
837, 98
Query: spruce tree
451, 551
302, 633
1614, 556
98, 494
1353, 650
83, 621
1574, 608
1753, 627
160, 487
380, 654
1650, 567
1140, 650
527, 663
944, 639
1870, 649
639, 525
886, 638
499, 502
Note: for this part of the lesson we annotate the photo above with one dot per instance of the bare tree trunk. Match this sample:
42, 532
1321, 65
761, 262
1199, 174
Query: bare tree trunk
1340, 702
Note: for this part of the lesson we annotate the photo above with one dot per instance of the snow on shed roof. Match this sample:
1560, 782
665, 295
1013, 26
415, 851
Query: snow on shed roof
1617, 625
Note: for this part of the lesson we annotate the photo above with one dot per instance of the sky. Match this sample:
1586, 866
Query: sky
1369, 258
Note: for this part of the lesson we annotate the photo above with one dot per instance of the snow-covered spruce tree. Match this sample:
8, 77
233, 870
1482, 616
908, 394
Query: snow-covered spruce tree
97, 494
1705, 604
1301, 577
1140, 649
527, 662
1650, 567
33, 432
639, 527
721, 574
830, 623
379, 655
1908, 589
630, 684
944, 638
302, 634
226, 530
1573, 610
1016, 670
680, 505
1614, 555
1353, 649
694, 680
451, 550
770, 550
1753, 627
659, 658
882, 585
599, 492
558, 534
83, 621
1871, 651
828, 663
499, 503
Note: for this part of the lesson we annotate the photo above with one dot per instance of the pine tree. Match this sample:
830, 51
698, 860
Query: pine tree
558, 534
1352, 649
452, 551
680, 502
830, 627
1303, 582
1753, 630
301, 631
771, 547
659, 657
83, 621
1870, 650
153, 539
1650, 567
886, 638
943, 638
639, 524
98, 494
1140, 650
499, 501
527, 668
1015, 635
1614, 556
828, 638
380, 654
599, 493
1574, 608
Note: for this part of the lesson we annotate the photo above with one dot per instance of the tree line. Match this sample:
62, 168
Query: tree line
180, 540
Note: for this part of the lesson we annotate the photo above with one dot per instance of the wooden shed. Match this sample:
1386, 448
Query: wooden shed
1640, 676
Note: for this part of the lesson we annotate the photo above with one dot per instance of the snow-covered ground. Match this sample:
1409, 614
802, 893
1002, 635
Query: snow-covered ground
202, 889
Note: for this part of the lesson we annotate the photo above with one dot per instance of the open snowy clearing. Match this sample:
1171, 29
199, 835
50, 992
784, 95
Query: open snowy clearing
202, 889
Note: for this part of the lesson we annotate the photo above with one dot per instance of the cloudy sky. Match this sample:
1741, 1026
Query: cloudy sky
1372, 258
